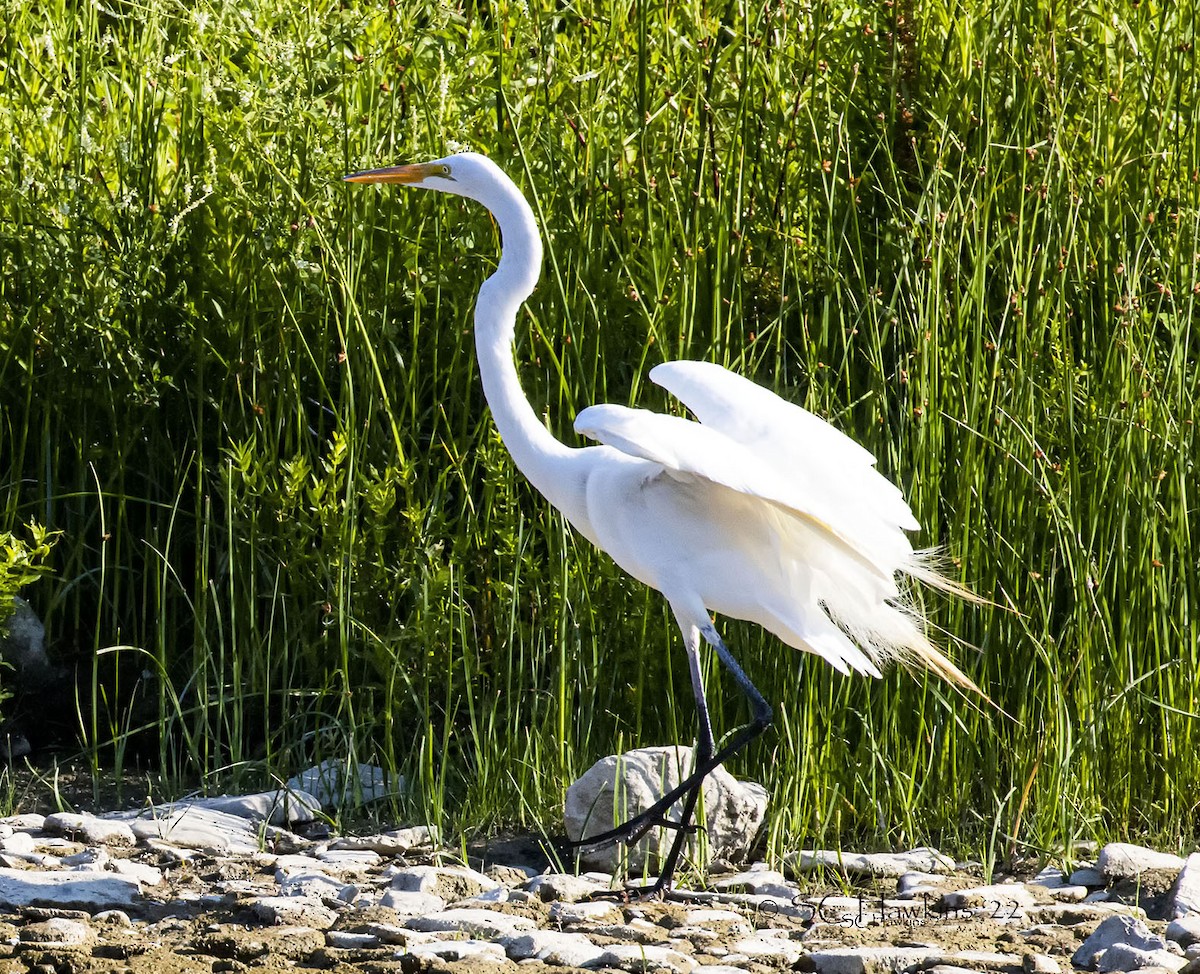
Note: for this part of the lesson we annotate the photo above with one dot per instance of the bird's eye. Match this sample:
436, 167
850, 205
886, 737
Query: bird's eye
445, 171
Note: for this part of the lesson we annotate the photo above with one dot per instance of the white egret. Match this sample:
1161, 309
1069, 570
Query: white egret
759, 511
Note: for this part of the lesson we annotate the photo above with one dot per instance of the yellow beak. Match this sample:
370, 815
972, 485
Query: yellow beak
409, 175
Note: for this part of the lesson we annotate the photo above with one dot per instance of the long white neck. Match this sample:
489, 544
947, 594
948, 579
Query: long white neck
548, 464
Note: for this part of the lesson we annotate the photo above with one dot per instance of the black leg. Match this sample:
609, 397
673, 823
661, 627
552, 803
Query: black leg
706, 761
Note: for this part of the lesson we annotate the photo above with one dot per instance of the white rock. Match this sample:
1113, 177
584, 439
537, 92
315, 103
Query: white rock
294, 882
18, 844
57, 932
448, 882
302, 911
555, 948
340, 784
411, 904
144, 873
1088, 876
919, 882
459, 950
1040, 964
285, 807
882, 864
1121, 860
732, 814
346, 940
638, 958
391, 843
1123, 957
563, 887
1050, 877
1001, 900
481, 923
1112, 931
1185, 930
90, 829
93, 859
567, 914
74, 889
859, 960
752, 881
27, 822
191, 826
1185, 898
768, 949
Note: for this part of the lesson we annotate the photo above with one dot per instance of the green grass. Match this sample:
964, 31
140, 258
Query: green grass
966, 233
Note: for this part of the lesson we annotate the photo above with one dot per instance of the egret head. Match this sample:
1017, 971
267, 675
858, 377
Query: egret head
464, 174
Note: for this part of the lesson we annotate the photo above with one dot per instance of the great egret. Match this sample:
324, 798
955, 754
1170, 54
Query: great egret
759, 511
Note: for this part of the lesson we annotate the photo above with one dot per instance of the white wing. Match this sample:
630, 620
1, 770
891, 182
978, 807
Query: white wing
836, 476
832, 527
686, 450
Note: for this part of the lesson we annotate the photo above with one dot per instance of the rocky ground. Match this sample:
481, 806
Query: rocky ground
208, 886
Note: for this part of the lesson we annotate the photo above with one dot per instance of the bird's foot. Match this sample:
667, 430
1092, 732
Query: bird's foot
631, 831
633, 892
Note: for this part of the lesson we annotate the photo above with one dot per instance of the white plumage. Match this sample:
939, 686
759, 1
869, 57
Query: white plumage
759, 511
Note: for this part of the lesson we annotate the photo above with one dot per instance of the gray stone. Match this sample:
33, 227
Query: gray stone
860, 960
1185, 930
348, 940
1088, 876
767, 949
191, 826
732, 811
23, 644
459, 950
488, 924
639, 958
76, 889
567, 914
411, 904
555, 948
393, 843
284, 807
90, 829
1000, 901
301, 911
883, 864
1040, 964
144, 873
1123, 957
448, 882
1121, 860
1185, 897
563, 887
57, 932
1114, 930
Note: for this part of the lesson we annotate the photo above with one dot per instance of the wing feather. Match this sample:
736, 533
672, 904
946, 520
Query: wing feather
688, 449
836, 476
